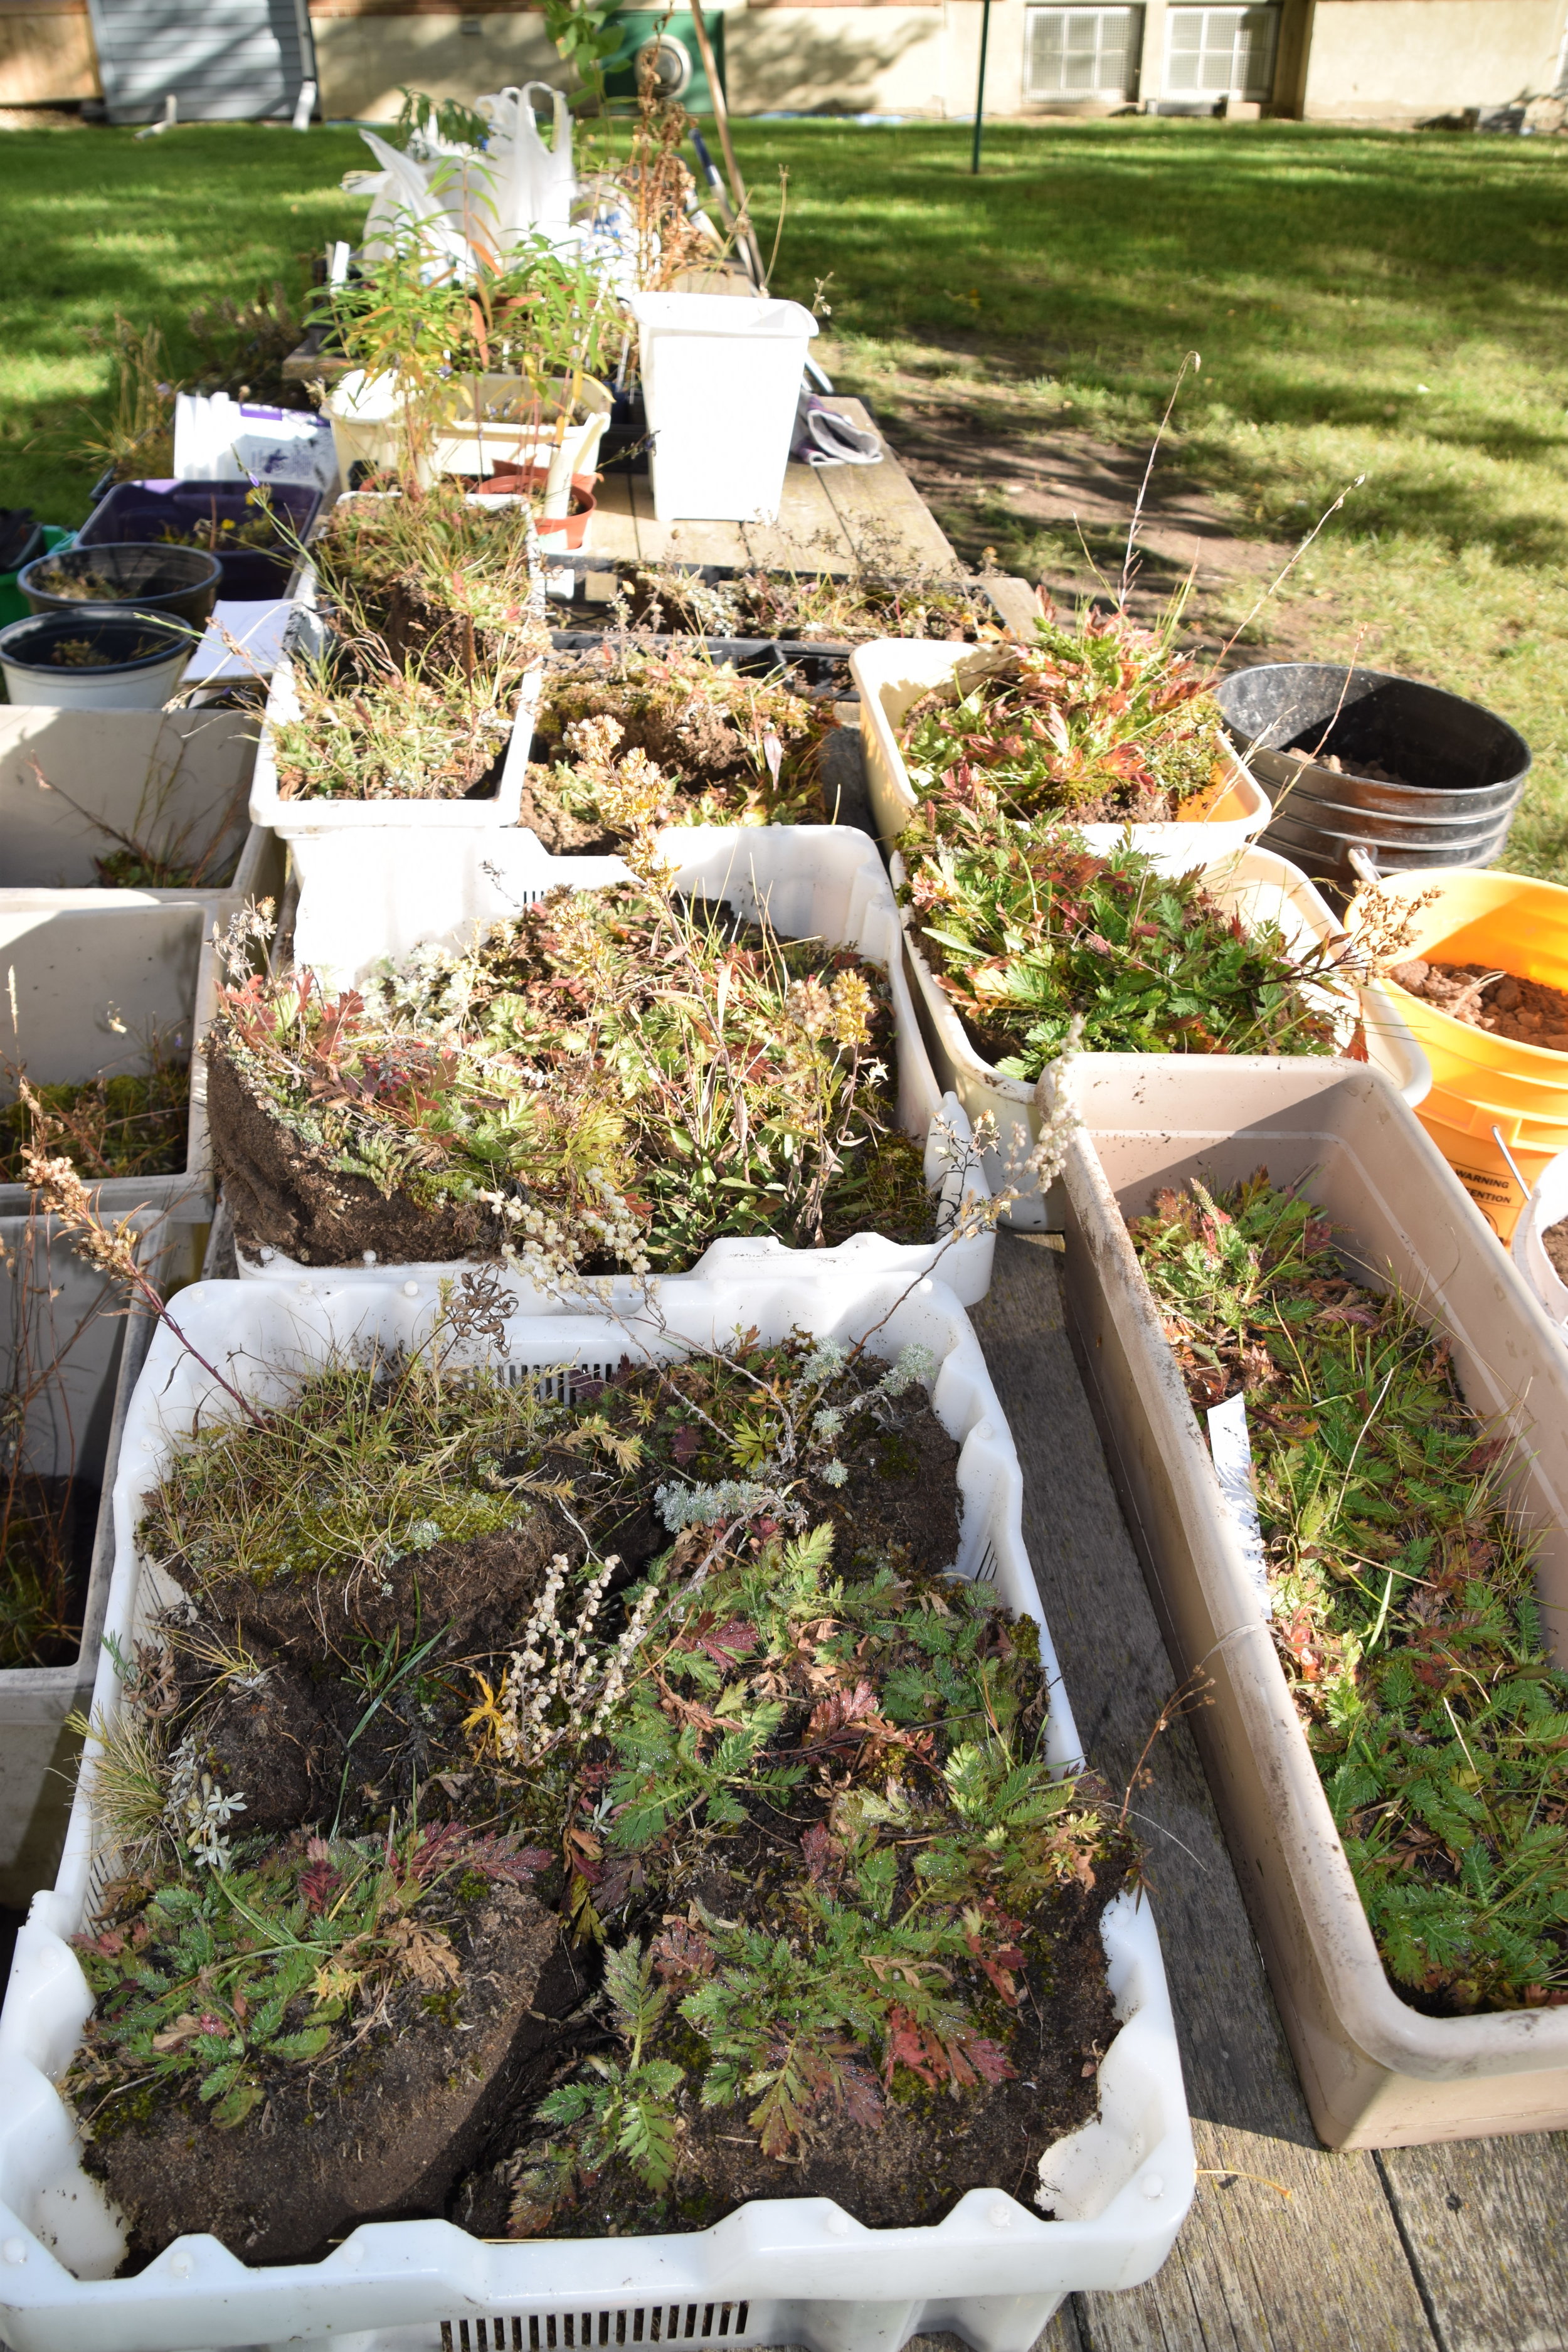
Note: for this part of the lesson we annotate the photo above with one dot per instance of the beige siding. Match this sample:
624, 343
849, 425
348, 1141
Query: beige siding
46, 55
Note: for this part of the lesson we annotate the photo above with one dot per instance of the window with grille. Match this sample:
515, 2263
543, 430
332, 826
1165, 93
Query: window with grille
1213, 51
1082, 52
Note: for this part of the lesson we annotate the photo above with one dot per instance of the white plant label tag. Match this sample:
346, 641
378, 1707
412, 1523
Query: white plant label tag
1232, 1450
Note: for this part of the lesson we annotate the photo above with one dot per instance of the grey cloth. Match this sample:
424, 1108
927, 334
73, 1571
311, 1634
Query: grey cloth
823, 438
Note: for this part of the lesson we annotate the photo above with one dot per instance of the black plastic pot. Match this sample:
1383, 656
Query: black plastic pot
21, 537
1462, 768
143, 512
176, 584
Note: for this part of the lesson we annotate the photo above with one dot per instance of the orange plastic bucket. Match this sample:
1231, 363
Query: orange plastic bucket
1483, 1170
1509, 923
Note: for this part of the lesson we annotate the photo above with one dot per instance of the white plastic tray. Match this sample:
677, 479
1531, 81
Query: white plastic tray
776, 2272
77, 960
295, 820
1254, 883
379, 894
894, 672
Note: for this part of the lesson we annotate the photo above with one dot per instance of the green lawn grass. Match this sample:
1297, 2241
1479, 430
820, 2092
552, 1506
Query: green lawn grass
1379, 304
1365, 303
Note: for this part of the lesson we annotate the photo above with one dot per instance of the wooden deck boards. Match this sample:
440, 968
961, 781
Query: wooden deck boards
1461, 2248
830, 520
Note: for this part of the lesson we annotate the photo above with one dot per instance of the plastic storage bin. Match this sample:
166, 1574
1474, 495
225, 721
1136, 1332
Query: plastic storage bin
722, 378
893, 673
1254, 883
361, 901
79, 961
1479, 1081
1547, 1207
176, 781
790, 2270
1377, 2072
145, 510
56, 1311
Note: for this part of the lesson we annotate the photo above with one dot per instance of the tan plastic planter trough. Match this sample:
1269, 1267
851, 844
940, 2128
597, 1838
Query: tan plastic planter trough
1251, 883
1377, 2074
891, 674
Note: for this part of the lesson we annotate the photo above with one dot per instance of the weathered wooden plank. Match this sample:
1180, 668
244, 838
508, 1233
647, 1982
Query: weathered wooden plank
1323, 2269
808, 535
888, 522
614, 529
1015, 601
1486, 2224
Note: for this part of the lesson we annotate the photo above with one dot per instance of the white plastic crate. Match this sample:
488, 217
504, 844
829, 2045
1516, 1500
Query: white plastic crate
378, 895
1254, 883
293, 820
786, 2270
75, 963
893, 673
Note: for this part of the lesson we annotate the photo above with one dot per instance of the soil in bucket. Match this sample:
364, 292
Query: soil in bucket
1527, 1011
418, 1926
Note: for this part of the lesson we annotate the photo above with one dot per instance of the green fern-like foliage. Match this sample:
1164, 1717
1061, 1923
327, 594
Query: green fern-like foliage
1403, 1605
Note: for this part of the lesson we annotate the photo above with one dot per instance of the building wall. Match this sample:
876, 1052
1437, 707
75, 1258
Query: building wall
367, 53
47, 56
1392, 60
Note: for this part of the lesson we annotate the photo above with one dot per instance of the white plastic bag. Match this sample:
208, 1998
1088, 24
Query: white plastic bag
217, 439
406, 195
533, 183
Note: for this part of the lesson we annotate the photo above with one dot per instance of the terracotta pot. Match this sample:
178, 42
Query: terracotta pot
528, 481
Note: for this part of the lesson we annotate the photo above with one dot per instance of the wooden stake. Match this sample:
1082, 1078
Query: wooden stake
722, 117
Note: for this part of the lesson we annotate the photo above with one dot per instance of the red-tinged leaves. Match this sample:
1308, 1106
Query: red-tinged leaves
820, 1850
727, 1644
856, 1712
682, 1953
861, 2100
683, 1445
317, 1885
989, 2060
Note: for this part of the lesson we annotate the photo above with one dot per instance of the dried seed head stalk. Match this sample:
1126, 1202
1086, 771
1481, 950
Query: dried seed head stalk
565, 1670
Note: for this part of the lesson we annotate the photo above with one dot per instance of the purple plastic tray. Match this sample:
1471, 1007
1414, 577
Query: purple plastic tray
144, 511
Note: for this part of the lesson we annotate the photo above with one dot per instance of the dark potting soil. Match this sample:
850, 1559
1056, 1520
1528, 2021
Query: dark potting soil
283, 1196
911, 2169
379, 2130
1526, 1011
1554, 1241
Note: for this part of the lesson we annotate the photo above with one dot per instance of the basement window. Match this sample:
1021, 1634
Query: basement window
1082, 52
1215, 52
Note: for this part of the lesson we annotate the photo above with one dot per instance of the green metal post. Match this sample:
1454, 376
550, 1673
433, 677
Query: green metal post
980, 90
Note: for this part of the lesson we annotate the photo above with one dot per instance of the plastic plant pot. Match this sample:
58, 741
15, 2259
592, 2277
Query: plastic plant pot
567, 530
1487, 1091
1377, 2072
13, 605
531, 435
130, 665
721, 379
784, 2271
146, 510
175, 584
893, 673
1463, 767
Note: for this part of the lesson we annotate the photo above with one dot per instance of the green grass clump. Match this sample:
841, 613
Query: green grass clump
370, 1464
1404, 1604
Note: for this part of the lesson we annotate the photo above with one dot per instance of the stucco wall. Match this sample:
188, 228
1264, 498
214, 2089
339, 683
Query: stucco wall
1395, 60
47, 56
365, 61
